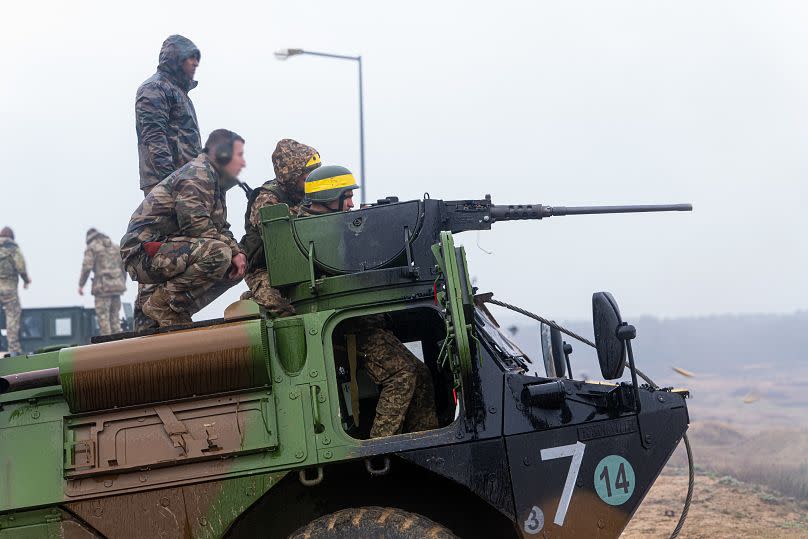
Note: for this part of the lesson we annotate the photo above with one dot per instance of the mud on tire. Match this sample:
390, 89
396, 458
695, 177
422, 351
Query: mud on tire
372, 523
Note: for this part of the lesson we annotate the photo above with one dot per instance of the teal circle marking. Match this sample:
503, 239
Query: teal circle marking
614, 480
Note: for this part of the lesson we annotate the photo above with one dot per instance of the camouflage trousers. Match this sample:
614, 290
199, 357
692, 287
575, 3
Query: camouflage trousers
108, 314
407, 399
264, 295
10, 302
141, 321
192, 271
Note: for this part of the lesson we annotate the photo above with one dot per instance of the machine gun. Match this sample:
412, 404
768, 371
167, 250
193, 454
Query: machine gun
462, 215
386, 243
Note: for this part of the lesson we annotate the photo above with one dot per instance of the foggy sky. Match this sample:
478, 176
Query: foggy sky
572, 103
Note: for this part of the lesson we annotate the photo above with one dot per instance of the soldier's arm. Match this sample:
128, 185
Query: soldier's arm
193, 203
86, 266
227, 237
152, 110
19, 263
265, 198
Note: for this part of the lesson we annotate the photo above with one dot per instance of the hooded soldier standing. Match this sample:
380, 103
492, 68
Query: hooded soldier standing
292, 162
103, 259
179, 237
166, 127
165, 119
407, 398
12, 268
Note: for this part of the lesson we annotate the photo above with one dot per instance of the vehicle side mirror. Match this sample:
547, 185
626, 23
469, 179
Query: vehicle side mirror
552, 349
611, 350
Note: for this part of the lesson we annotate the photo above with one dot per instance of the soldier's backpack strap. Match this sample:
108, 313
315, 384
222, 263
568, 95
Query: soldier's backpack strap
252, 243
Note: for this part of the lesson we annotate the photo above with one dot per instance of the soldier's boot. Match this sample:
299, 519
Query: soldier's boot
141, 321
157, 308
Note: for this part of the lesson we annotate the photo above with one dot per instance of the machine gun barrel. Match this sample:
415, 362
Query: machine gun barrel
519, 212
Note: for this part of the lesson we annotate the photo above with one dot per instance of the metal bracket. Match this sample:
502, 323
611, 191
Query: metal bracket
376, 472
313, 283
306, 482
351, 344
174, 427
86, 448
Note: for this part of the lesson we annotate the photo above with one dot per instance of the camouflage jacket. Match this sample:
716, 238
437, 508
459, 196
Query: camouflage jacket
12, 264
103, 258
290, 159
188, 204
165, 119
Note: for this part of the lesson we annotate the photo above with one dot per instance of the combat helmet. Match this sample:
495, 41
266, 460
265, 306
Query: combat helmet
328, 183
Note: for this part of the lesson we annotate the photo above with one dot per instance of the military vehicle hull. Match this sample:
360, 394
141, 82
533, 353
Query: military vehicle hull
250, 426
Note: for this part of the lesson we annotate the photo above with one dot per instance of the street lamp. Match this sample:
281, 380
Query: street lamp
283, 54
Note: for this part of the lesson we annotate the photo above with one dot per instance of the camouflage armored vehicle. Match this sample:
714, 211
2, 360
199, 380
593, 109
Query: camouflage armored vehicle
253, 427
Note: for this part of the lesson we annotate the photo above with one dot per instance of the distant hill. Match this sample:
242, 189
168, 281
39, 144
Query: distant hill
712, 344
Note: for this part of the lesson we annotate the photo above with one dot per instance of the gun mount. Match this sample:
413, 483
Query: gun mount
387, 244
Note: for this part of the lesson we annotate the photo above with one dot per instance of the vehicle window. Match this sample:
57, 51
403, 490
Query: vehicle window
31, 326
416, 348
497, 338
63, 327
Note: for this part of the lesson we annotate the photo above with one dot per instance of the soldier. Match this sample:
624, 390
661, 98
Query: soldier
292, 162
179, 237
165, 119
103, 258
166, 126
12, 267
407, 398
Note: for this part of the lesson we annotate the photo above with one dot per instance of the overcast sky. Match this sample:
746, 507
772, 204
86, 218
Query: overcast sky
562, 103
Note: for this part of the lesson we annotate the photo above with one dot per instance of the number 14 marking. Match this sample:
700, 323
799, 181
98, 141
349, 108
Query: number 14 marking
576, 451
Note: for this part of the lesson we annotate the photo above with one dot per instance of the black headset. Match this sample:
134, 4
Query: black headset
223, 152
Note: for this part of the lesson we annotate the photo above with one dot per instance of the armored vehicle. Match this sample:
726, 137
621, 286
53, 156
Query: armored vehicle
256, 427
45, 327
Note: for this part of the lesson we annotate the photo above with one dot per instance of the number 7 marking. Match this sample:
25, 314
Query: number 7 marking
576, 451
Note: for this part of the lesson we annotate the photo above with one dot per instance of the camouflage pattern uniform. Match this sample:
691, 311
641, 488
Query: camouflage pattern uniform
167, 130
12, 268
103, 258
407, 399
165, 119
186, 215
290, 160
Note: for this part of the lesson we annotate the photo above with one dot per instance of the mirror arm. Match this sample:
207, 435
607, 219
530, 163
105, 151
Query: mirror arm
567, 352
625, 333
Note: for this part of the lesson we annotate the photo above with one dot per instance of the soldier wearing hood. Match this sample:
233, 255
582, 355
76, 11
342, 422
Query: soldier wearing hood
165, 119
292, 162
103, 259
179, 237
12, 268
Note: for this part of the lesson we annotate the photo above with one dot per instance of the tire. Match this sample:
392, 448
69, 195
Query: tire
372, 523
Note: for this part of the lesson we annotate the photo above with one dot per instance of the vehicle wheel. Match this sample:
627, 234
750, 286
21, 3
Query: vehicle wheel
372, 522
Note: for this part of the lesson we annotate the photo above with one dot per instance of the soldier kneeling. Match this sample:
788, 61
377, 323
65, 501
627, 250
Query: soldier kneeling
179, 238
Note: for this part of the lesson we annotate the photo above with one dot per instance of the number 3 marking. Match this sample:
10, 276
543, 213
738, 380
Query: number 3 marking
576, 451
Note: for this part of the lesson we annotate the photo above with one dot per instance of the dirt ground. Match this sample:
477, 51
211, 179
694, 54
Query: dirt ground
721, 507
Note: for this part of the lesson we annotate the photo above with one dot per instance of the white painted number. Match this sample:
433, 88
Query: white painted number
576, 451
535, 521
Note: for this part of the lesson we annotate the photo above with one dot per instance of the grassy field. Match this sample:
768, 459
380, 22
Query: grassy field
722, 507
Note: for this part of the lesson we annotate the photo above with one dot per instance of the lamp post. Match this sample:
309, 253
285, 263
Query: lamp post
283, 54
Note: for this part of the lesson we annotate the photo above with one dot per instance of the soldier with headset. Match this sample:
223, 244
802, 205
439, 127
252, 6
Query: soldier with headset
179, 238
